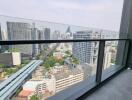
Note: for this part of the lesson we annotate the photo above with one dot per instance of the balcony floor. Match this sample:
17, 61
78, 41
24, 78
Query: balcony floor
119, 88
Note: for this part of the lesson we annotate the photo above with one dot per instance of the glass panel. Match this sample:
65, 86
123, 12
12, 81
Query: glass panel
46, 69
113, 60
23, 29
110, 54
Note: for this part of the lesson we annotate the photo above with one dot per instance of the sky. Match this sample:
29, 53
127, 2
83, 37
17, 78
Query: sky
102, 14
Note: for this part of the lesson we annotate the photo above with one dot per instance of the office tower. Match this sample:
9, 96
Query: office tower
69, 31
47, 33
20, 31
68, 34
41, 36
35, 36
85, 52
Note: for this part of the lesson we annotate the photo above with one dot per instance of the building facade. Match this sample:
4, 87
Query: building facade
65, 77
10, 59
20, 31
85, 52
47, 33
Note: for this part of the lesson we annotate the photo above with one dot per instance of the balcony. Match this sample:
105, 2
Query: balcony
58, 66
53, 61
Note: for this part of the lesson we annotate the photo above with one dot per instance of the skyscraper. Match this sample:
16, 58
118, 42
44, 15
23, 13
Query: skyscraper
85, 52
41, 36
68, 34
35, 36
69, 31
20, 31
47, 33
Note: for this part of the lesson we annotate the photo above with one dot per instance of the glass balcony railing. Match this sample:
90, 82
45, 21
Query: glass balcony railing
42, 59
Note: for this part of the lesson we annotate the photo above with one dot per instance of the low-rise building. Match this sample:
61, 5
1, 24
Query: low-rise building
65, 77
10, 59
24, 95
38, 87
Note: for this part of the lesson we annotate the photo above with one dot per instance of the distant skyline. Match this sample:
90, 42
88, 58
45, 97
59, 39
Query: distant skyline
103, 14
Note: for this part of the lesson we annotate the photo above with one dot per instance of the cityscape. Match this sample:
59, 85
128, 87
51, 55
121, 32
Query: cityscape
60, 65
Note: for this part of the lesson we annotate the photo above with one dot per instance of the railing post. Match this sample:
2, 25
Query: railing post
100, 61
126, 52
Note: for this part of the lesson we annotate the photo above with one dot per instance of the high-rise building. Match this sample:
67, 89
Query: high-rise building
41, 36
85, 52
107, 57
3, 37
69, 31
20, 31
68, 34
35, 36
47, 33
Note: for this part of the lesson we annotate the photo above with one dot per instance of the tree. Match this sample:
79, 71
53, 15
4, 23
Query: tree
10, 71
68, 52
14, 50
60, 61
74, 60
49, 62
34, 97
47, 65
25, 61
2, 65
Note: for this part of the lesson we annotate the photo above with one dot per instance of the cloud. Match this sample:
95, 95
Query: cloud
105, 14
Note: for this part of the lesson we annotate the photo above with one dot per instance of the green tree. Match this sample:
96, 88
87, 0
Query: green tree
47, 65
61, 61
25, 61
2, 65
49, 62
34, 97
14, 50
10, 71
68, 53
75, 60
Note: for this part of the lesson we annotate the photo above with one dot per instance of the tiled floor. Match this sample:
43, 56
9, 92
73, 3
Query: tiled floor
119, 88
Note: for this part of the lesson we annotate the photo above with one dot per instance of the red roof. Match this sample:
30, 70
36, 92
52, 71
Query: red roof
25, 93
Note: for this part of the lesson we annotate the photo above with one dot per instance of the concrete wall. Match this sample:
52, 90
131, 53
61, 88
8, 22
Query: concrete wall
6, 59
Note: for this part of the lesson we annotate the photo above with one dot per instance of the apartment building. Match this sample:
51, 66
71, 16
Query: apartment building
85, 52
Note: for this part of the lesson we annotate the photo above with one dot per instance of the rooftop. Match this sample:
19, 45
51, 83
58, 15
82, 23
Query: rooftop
25, 93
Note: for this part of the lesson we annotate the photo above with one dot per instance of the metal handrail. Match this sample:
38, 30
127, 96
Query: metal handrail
15, 42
